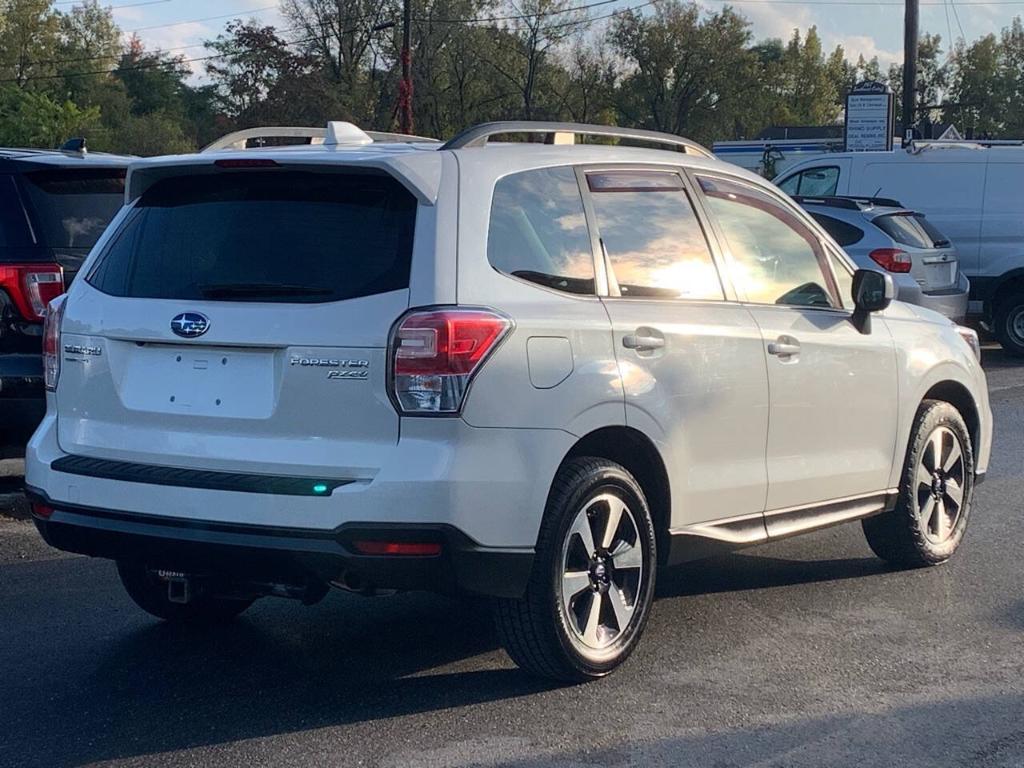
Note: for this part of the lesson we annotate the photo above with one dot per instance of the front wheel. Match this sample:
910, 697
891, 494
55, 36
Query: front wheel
593, 579
150, 593
930, 517
1008, 323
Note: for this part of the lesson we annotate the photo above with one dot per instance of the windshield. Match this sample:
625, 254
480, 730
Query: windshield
73, 206
284, 236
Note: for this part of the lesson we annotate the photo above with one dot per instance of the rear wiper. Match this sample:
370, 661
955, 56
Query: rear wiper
243, 290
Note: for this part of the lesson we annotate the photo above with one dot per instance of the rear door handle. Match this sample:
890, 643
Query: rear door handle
642, 342
784, 346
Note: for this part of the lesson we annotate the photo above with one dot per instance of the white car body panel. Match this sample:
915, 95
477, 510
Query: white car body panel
740, 434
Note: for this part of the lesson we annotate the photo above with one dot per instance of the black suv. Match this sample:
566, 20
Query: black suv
54, 205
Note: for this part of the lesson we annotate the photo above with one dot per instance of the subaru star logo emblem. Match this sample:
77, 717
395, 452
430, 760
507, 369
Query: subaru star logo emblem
190, 324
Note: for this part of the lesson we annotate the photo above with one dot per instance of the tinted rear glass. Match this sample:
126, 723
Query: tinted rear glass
72, 207
283, 236
843, 233
938, 239
906, 229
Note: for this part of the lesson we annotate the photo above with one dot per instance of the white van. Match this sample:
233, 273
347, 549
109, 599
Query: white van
974, 194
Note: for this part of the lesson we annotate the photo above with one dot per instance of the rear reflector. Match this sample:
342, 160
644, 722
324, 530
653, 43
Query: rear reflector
891, 259
252, 162
416, 548
41, 510
435, 354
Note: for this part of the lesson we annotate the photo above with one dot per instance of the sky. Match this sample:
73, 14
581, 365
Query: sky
871, 28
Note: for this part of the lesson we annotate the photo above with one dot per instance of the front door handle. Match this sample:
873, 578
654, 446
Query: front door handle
784, 346
643, 341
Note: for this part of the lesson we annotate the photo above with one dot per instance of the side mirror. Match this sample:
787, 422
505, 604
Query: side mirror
872, 292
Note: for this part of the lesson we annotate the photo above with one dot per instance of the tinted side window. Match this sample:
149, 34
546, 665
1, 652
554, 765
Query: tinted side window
538, 230
652, 236
14, 231
776, 259
843, 233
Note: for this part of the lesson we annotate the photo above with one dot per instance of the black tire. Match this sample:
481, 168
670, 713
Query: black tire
1008, 322
903, 537
543, 635
150, 594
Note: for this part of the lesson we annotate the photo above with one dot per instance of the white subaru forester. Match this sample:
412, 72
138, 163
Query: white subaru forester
531, 371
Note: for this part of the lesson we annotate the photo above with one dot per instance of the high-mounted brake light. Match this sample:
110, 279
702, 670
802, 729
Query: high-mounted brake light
31, 287
250, 162
51, 342
891, 259
435, 354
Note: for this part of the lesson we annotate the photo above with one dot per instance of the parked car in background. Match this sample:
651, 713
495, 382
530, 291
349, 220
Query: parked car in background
971, 193
534, 372
878, 232
54, 205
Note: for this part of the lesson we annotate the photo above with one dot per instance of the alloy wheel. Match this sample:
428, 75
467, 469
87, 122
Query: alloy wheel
940, 485
602, 572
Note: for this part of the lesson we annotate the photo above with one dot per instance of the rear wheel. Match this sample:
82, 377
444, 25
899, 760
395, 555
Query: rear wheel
1008, 322
150, 593
593, 580
930, 517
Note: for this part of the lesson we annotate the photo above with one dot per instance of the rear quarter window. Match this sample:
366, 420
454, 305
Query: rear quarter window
538, 230
279, 236
842, 232
14, 230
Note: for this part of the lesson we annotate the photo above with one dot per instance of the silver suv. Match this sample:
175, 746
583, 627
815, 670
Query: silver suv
534, 372
881, 233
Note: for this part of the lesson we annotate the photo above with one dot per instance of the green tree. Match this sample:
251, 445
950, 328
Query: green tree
683, 73
28, 41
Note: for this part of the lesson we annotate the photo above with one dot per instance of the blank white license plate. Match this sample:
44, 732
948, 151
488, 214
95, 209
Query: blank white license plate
200, 381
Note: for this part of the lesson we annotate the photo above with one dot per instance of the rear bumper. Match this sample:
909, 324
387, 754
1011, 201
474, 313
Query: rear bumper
251, 553
951, 302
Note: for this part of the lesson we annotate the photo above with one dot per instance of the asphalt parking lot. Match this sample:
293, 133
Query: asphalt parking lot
808, 652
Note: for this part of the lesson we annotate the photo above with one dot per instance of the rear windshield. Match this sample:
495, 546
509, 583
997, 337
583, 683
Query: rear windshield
284, 236
72, 207
911, 229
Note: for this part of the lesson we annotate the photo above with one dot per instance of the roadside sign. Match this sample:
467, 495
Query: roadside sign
870, 108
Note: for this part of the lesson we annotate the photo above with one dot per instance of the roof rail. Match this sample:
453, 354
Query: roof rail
566, 133
341, 133
849, 202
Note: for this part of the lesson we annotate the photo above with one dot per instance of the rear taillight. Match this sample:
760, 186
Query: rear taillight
891, 259
31, 287
51, 342
435, 354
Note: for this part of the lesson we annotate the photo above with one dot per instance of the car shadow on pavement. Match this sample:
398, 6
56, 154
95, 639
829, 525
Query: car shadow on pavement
140, 687
739, 572
278, 669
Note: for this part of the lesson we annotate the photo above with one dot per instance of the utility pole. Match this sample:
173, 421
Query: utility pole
405, 86
910, 24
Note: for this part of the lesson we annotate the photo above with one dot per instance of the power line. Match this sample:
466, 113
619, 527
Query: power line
238, 14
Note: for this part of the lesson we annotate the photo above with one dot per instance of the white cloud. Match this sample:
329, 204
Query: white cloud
862, 45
